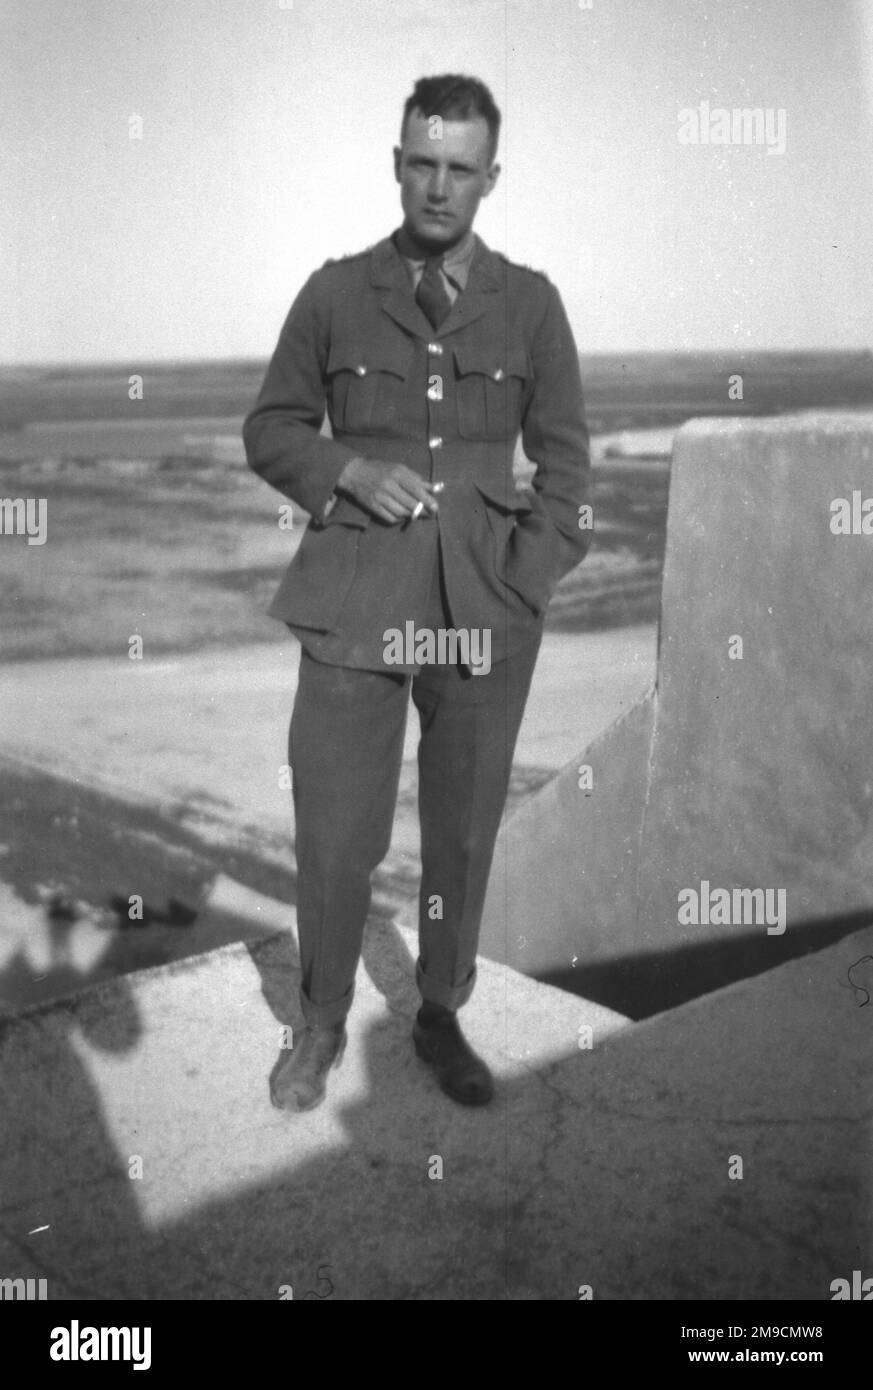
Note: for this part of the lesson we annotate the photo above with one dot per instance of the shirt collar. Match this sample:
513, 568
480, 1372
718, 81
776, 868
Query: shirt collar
456, 263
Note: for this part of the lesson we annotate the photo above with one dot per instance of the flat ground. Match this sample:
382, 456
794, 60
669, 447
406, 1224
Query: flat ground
185, 548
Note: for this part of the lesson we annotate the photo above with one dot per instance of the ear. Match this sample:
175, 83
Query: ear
493, 176
397, 157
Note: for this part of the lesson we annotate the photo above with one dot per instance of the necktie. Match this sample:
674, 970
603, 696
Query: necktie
431, 295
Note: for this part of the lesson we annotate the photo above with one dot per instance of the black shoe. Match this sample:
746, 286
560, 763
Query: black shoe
301, 1079
461, 1073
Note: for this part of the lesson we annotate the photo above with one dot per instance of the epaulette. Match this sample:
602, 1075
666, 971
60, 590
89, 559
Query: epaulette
529, 269
352, 256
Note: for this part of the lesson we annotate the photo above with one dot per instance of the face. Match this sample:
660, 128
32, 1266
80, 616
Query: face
444, 170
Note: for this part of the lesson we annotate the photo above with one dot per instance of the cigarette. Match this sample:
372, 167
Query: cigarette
419, 506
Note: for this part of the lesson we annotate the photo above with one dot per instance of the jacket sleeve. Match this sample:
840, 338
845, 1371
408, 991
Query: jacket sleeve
282, 435
554, 431
549, 542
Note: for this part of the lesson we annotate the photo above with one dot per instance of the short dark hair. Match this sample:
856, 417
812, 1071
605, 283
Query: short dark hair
454, 97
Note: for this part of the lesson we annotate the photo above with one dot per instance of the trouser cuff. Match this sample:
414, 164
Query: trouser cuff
326, 1015
436, 992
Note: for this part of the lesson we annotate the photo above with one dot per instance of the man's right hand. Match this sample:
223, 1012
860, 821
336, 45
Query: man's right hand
389, 491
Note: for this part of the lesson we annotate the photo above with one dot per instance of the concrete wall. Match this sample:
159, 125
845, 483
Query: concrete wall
570, 856
753, 772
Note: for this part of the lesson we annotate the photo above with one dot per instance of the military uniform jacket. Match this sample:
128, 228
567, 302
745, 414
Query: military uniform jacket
448, 403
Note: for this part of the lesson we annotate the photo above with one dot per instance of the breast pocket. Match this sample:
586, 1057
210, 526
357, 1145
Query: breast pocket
490, 387
366, 386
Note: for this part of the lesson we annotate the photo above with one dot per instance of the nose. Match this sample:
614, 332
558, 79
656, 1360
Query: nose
437, 190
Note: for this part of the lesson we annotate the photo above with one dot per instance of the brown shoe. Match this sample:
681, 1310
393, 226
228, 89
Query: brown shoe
301, 1079
460, 1072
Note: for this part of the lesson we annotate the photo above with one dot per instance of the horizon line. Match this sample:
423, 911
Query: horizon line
91, 364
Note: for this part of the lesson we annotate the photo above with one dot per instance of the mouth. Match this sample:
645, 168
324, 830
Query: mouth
432, 215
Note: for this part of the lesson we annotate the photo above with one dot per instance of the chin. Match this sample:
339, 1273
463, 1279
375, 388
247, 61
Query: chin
438, 234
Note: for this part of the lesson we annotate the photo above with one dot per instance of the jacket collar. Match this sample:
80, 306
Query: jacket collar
388, 272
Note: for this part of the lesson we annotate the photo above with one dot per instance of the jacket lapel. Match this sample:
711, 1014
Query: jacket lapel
390, 276
485, 280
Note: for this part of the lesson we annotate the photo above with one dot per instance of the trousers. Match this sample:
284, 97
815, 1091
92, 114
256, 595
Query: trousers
346, 750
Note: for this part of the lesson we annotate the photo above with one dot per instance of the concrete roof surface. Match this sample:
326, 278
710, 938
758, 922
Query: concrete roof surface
605, 1166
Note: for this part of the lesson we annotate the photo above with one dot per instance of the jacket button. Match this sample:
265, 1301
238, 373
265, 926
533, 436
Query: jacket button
498, 373
360, 370
435, 442
436, 349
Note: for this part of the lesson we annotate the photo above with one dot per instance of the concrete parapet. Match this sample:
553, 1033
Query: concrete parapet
751, 767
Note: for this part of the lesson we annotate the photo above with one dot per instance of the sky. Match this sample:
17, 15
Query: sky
267, 132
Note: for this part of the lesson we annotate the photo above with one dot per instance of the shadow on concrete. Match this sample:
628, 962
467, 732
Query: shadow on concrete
55, 1212
102, 846
606, 1168
355, 1220
653, 982
80, 850
93, 848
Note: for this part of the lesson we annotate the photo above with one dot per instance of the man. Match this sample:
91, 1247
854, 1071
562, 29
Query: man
423, 569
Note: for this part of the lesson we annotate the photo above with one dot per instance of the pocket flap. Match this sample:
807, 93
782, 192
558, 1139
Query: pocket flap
495, 361
364, 358
504, 494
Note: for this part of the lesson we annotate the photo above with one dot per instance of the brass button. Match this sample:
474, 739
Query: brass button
498, 373
436, 442
436, 349
360, 370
